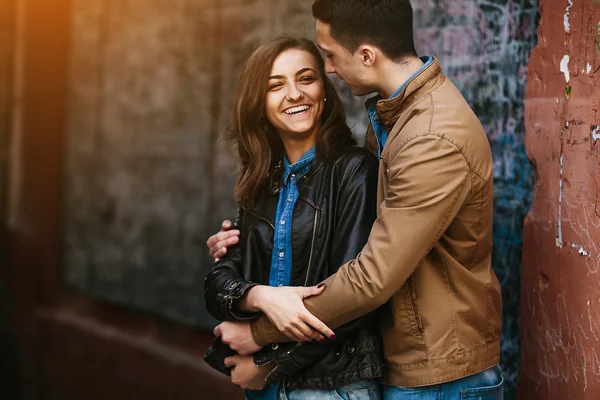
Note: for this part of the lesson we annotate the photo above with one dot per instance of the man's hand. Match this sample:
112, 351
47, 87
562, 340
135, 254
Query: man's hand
285, 308
219, 242
245, 374
238, 336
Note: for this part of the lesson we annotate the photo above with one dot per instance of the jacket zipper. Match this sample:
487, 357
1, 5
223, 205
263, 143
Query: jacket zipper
312, 245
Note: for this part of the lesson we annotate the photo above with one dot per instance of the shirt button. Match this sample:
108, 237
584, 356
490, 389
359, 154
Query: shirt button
282, 222
281, 254
289, 199
280, 285
293, 175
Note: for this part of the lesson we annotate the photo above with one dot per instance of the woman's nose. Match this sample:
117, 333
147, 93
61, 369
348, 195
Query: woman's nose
294, 93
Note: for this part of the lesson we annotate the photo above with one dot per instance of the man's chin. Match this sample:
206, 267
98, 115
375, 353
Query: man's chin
362, 91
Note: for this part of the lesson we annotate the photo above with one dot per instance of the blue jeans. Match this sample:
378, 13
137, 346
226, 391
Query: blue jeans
485, 385
363, 390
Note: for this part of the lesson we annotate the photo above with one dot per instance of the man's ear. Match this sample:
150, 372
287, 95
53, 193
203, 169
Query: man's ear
367, 55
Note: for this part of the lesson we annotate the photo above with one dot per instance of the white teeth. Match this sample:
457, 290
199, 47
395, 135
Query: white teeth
296, 110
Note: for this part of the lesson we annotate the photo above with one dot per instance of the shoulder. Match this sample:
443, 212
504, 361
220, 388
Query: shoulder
352, 156
355, 162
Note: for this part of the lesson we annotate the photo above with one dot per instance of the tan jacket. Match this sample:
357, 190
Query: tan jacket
429, 251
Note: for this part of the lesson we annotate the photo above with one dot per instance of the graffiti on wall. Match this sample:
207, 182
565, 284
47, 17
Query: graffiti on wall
484, 46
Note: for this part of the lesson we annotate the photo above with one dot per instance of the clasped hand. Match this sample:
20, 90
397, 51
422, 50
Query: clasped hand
285, 308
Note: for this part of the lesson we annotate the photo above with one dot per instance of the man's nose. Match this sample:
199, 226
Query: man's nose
329, 68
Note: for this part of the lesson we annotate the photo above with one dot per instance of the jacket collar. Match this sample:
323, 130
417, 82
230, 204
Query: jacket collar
389, 110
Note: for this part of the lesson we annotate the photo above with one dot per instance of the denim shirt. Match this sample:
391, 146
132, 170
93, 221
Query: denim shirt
281, 259
380, 132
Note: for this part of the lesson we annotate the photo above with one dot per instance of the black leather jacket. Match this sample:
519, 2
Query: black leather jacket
331, 223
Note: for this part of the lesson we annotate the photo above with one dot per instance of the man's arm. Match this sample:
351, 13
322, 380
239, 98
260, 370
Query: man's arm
429, 181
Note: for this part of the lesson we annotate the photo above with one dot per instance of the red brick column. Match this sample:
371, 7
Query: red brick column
560, 298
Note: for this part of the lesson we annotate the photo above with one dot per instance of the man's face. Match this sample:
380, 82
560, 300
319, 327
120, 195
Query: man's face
348, 67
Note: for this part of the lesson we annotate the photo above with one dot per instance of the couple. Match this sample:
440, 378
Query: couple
397, 237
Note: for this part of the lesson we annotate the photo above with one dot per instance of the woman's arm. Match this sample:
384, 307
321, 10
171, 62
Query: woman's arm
224, 283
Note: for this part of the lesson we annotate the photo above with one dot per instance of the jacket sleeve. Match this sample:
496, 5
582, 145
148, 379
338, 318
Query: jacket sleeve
224, 283
428, 182
355, 214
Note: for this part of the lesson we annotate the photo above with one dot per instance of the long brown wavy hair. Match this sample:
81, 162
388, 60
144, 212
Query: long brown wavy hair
257, 143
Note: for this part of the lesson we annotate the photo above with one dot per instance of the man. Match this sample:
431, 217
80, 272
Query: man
429, 252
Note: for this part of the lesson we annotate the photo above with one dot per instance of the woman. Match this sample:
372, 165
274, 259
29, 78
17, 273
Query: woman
307, 203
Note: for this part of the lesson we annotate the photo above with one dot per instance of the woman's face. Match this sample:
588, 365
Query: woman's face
295, 96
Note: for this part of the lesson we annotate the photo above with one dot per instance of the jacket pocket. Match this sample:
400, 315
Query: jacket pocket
410, 308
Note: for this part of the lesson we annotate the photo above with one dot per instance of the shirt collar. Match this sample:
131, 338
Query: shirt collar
427, 61
301, 166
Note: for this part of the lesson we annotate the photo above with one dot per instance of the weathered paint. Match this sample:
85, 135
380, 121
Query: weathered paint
595, 132
561, 284
566, 21
564, 67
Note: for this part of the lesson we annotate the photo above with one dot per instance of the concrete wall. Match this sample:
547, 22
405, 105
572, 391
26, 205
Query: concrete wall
147, 180
561, 260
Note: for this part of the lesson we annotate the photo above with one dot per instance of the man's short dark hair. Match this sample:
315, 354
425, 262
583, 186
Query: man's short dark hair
386, 24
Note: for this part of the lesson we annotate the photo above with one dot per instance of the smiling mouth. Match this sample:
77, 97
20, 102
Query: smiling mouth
296, 110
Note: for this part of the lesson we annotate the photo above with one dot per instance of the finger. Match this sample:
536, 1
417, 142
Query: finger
217, 330
223, 244
226, 225
231, 361
220, 236
312, 290
218, 254
316, 336
289, 335
297, 334
307, 331
317, 324
220, 247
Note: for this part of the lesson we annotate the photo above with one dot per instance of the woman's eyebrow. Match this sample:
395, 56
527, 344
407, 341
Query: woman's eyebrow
303, 70
300, 72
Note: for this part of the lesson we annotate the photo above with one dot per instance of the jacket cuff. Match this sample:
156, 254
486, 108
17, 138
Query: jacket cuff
264, 332
285, 366
263, 357
234, 311
231, 293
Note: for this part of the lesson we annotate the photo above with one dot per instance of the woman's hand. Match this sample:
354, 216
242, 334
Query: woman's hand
285, 308
245, 374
